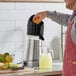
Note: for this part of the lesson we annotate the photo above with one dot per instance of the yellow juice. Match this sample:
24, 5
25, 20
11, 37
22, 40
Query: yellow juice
45, 62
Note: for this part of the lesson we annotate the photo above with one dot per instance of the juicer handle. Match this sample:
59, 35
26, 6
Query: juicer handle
41, 26
41, 37
51, 52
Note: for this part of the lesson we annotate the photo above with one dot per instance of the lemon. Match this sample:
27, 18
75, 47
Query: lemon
36, 21
2, 58
13, 66
1, 64
8, 58
5, 66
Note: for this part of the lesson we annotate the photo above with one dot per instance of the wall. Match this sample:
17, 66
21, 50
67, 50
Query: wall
13, 25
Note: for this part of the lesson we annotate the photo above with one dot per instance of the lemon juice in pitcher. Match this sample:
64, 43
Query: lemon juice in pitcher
45, 59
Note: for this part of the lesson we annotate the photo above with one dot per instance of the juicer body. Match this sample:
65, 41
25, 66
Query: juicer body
35, 36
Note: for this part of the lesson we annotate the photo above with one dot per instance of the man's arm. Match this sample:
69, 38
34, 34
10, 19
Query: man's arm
59, 18
73, 32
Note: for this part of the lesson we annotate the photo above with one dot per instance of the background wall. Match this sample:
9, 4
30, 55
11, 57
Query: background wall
13, 25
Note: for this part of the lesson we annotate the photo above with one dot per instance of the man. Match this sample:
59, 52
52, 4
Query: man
69, 61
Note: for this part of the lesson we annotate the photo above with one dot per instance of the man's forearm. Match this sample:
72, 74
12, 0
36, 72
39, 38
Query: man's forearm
59, 18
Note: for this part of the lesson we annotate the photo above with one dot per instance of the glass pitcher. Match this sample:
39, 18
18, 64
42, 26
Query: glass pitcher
45, 59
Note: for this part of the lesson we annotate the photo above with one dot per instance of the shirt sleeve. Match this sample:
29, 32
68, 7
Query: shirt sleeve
59, 18
73, 32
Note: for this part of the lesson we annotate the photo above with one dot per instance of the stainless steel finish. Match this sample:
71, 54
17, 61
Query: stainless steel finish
33, 53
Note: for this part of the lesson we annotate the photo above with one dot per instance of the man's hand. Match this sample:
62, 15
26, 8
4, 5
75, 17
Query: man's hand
39, 17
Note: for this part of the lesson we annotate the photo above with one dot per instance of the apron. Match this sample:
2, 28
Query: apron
69, 61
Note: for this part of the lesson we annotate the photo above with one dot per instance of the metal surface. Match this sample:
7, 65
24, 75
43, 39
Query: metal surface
33, 53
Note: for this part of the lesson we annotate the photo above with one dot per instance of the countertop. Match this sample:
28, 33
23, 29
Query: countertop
56, 70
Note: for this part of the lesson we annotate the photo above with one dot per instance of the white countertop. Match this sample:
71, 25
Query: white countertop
57, 69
